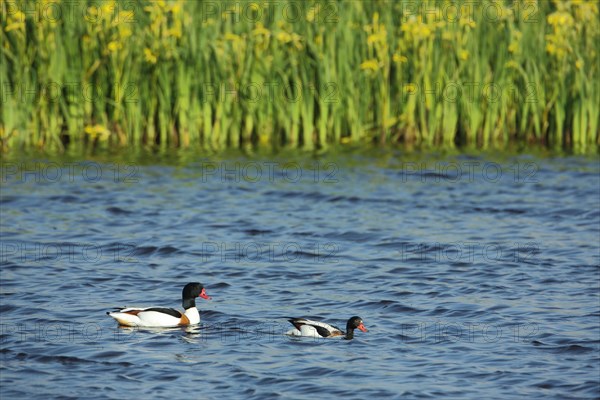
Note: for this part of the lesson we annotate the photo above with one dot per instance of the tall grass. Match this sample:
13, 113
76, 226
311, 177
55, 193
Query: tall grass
173, 73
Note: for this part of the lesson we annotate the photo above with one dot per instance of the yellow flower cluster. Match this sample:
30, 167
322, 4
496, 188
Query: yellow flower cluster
260, 30
261, 37
558, 42
286, 36
515, 41
378, 46
370, 65
149, 56
376, 31
293, 38
560, 19
399, 58
416, 30
586, 10
15, 21
419, 31
574, 21
166, 27
97, 131
164, 19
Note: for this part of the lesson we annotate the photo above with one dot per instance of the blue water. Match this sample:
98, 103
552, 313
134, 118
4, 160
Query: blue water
477, 276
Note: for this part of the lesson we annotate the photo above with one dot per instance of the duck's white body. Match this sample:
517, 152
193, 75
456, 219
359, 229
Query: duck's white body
153, 317
307, 328
164, 317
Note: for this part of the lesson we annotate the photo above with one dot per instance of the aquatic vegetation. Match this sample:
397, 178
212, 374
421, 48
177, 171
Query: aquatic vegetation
175, 73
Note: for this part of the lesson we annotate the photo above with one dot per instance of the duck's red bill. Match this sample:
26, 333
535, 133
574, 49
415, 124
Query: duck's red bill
204, 295
362, 328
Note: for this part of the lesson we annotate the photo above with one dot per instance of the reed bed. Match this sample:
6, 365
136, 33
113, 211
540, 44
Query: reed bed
307, 74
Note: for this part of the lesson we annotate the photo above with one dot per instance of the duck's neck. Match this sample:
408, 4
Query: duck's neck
349, 334
188, 303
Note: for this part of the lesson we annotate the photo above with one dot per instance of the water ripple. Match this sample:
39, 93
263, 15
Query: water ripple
468, 289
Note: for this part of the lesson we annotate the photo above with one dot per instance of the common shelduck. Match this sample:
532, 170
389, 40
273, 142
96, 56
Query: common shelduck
307, 328
164, 317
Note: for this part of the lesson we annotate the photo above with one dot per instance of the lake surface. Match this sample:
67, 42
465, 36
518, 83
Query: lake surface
477, 276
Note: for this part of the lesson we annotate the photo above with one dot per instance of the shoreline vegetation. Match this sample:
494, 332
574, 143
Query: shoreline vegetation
175, 74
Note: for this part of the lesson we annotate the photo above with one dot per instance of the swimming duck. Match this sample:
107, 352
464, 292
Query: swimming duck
164, 317
307, 328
